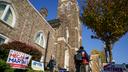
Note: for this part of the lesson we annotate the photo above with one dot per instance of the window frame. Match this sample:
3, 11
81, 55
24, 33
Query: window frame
4, 37
44, 41
8, 6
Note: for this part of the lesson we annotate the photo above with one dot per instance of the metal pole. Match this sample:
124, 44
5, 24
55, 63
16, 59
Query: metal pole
46, 50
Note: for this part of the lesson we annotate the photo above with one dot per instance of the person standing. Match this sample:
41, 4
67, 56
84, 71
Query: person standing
77, 60
52, 63
85, 61
81, 60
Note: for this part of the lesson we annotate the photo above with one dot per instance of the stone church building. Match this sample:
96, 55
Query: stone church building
61, 37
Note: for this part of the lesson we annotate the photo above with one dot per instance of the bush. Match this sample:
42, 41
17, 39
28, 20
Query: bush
30, 70
4, 67
19, 46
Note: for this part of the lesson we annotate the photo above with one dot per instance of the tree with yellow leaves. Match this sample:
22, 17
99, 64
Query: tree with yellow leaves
108, 19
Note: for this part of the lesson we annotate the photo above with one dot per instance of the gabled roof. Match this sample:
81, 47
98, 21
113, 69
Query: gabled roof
55, 23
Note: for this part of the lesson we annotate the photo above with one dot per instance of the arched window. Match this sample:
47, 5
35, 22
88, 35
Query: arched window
40, 39
3, 39
7, 14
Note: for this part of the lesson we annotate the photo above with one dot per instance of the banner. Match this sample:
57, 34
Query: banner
18, 59
37, 65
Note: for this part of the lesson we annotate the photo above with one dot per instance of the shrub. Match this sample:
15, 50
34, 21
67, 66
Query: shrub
4, 67
19, 46
30, 70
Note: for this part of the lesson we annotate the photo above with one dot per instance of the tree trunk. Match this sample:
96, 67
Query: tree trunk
110, 53
109, 49
106, 56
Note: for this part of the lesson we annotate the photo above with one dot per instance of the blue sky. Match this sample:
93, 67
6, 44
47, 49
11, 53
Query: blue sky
120, 48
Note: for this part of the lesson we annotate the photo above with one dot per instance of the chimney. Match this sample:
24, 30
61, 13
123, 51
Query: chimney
44, 12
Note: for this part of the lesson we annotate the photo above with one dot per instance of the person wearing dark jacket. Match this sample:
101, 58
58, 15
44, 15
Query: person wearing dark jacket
77, 62
51, 65
82, 61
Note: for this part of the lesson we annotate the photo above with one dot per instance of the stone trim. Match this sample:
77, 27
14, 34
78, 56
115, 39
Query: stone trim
61, 39
40, 15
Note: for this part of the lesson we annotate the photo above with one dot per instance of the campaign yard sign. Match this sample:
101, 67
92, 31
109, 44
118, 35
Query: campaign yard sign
18, 59
37, 65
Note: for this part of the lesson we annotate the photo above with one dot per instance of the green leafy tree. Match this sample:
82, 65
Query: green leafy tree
108, 19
